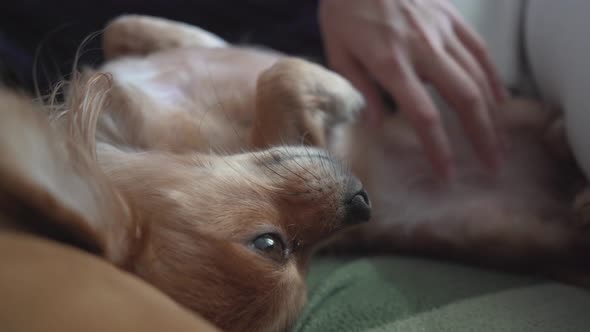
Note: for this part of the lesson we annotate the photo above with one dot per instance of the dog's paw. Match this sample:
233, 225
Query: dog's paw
582, 209
319, 89
341, 101
299, 102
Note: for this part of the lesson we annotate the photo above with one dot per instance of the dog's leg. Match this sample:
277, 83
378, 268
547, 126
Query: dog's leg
298, 102
141, 35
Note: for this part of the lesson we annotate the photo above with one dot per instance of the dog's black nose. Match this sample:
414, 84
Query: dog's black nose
358, 208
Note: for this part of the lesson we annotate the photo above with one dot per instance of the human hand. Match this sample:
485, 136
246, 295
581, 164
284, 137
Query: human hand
401, 43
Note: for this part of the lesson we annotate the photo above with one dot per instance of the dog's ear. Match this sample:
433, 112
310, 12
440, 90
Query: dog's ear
50, 185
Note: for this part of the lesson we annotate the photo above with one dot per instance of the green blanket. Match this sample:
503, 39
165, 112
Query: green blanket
404, 294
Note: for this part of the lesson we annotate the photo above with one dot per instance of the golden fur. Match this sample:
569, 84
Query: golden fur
175, 156
148, 169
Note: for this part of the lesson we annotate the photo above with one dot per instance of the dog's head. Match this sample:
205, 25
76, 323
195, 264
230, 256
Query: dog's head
230, 236
227, 236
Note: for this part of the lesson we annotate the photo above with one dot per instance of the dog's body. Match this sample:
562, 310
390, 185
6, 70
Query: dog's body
523, 216
525, 212
186, 207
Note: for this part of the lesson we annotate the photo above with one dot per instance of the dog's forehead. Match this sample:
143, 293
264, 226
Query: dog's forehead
287, 170
241, 208
218, 202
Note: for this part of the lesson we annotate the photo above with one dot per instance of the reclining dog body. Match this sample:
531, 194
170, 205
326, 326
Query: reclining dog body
202, 197
228, 233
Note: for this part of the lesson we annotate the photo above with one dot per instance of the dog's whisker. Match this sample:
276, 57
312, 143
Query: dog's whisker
276, 189
299, 176
334, 172
305, 169
269, 167
285, 147
265, 165
322, 163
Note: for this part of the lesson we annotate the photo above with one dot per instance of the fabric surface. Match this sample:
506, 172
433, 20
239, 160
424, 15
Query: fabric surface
408, 294
46, 286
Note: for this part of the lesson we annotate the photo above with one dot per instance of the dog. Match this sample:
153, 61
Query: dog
186, 175
531, 214
217, 202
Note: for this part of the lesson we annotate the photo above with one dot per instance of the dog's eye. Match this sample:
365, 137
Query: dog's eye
270, 245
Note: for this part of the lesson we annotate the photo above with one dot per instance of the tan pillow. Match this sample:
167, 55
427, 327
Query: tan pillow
47, 286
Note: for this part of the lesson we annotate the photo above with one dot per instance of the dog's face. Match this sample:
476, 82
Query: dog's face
228, 236
236, 230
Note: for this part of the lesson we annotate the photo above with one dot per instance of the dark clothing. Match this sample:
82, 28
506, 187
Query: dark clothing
53, 30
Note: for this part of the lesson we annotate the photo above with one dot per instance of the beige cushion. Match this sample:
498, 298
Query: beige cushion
46, 286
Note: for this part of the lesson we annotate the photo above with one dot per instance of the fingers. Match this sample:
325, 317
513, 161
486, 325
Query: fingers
468, 49
478, 49
472, 67
353, 71
416, 104
404, 44
462, 92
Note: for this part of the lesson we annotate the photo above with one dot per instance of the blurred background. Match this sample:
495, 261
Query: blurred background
47, 34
